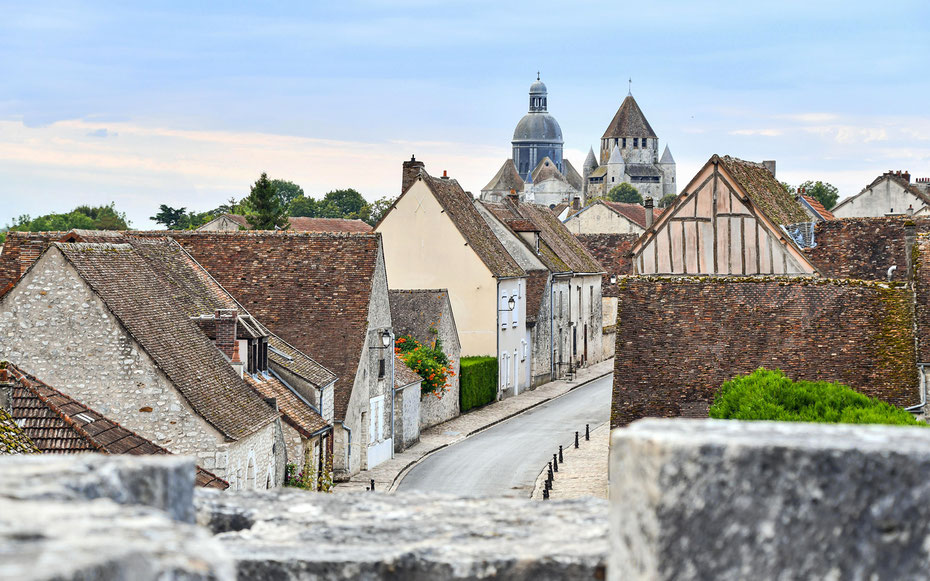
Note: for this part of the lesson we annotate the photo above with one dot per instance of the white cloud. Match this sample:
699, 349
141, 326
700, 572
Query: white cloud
762, 132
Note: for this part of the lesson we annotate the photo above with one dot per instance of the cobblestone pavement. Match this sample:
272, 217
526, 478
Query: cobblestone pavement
387, 474
584, 472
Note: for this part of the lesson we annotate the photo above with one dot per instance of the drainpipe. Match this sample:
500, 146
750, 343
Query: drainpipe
497, 334
552, 376
891, 271
348, 445
923, 392
391, 390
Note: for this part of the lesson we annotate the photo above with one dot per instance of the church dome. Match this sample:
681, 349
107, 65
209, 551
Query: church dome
538, 88
538, 127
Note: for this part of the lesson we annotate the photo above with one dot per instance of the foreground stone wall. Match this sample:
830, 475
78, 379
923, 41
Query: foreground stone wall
681, 338
721, 499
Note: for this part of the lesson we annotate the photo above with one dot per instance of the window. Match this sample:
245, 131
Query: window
591, 301
525, 349
520, 289
644, 142
560, 304
514, 314
624, 143
502, 311
381, 369
613, 179
376, 420
636, 142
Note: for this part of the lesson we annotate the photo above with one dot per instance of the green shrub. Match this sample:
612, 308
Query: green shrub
769, 395
431, 363
477, 381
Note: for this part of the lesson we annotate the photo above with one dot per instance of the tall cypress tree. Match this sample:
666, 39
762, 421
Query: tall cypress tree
267, 212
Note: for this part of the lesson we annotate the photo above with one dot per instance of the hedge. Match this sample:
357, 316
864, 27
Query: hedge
477, 381
769, 395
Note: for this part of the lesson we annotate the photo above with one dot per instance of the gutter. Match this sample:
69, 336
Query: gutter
295, 392
922, 389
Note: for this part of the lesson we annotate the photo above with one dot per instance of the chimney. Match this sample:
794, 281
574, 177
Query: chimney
650, 214
6, 388
445, 175
576, 203
225, 322
906, 175
910, 210
770, 165
411, 171
513, 197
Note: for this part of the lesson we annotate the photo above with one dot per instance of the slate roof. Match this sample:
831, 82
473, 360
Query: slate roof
507, 178
571, 174
403, 375
307, 224
629, 121
415, 312
547, 170
61, 425
12, 438
819, 208
764, 191
311, 289
642, 170
460, 208
294, 410
154, 314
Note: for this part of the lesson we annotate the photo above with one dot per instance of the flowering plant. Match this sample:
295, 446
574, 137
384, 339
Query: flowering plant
430, 363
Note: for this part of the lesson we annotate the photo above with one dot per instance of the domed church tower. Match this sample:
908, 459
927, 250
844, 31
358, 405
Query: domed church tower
537, 135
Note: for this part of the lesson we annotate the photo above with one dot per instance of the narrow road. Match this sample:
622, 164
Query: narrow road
505, 459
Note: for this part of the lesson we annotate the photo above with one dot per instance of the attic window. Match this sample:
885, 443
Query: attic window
624, 143
84, 417
644, 143
635, 142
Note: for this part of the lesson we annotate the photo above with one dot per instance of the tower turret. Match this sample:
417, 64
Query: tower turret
538, 134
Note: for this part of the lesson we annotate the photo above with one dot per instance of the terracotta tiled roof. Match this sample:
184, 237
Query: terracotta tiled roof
460, 208
629, 121
505, 179
818, 207
765, 192
635, 213
295, 411
403, 375
307, 224
59, 424
153, 313
310, 289
415, 312
12, 438
613, 251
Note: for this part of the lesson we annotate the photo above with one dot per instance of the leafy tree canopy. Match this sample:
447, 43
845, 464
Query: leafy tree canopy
287, 191
667, 200
625, 193
769, 395
266, 211
825, 193
377, 209
86, 217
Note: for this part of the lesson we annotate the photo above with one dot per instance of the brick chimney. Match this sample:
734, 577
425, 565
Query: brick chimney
513, 197
770, 165
225, 322
576, 203
650, 212
411, 171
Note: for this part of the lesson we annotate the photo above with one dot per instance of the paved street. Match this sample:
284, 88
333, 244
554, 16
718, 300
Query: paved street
505, 460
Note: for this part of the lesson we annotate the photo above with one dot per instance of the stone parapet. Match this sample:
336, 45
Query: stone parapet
721, 499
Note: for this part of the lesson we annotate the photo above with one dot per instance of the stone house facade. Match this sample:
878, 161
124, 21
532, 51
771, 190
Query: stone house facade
97, 321
407, 394
435, 237
426, 315
606, 217
890, 194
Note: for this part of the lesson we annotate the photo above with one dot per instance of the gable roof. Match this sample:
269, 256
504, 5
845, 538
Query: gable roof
633, 212
294, 410
311, 289
303, 224
614, 252
460, 208
12, 438
629, 121
547, 170
62, 425
536, 281
765, 192
403, 374
817, 208
415, 312
148, 308
507, 178
906, 185
571, 174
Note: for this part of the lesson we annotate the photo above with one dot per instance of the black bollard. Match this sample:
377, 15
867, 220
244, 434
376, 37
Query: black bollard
587, 431
560, 454
555, 462
545, 494
576, 439
546, 484
372, 484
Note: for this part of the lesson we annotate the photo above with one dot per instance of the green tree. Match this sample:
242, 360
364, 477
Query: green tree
377, 209
266, 213
350, 204
287, 191
789, 188
304, 206
825, 193
171, 218
625, 193
87, 217
667, 200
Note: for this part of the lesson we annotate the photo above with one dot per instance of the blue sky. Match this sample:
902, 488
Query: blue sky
186, 103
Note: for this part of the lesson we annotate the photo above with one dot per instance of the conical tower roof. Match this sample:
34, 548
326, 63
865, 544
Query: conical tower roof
615, 156
590, 162
667, 156
629, 122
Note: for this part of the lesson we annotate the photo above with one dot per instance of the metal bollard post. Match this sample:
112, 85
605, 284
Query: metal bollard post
372, 484
555, 462
546, 484
560, 454
576, 439
587, 431
545, 494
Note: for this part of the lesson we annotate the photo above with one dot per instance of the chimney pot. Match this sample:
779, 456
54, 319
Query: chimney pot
650, 212
445, 175
770, 165
576, 203
225, 327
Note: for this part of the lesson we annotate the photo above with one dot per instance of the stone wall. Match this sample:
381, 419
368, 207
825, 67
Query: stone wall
435, 410
681, 338
864, 248
407, 417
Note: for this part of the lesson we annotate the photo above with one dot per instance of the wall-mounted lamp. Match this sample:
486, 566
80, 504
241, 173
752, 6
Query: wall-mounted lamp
511, 305
613, 279
385, 340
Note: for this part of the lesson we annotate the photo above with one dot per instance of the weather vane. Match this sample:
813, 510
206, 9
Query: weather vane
630, 90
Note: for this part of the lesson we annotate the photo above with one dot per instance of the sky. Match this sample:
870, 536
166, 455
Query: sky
186, 103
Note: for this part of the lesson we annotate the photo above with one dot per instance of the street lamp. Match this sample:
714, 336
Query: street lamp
613, 279
385, 340
511, 305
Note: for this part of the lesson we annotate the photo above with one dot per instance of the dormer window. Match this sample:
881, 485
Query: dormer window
258, 356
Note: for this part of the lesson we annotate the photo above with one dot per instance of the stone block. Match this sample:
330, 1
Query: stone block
722, 499
162, 482
291, 534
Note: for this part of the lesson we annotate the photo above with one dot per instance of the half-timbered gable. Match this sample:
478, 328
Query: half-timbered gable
727, 221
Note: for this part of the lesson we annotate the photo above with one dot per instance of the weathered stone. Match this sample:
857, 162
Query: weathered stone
294, 534
162, 482
714, 499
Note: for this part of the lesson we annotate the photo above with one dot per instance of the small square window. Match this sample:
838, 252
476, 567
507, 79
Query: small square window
624, 143
636, 142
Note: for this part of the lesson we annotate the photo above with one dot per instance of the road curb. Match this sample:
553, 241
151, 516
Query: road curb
403, 472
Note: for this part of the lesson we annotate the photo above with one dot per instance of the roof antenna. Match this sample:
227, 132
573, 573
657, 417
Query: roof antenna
630, 90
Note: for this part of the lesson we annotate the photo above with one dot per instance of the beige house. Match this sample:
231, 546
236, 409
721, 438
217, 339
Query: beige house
890, 194
605, 217
434, 237
727, 221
